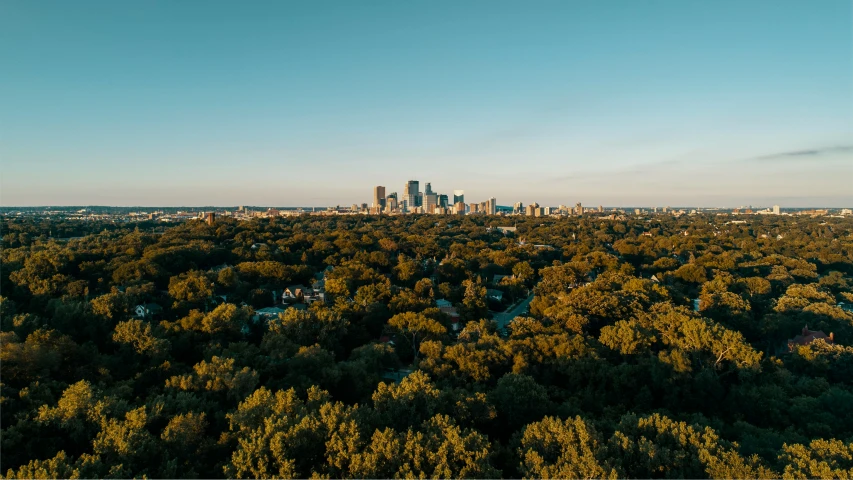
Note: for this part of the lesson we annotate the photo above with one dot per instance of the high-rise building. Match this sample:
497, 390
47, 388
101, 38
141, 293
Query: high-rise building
518, 208
492, 206
430, 201
601, 209
460, 208
379, 197
443, 201
211, 217
579, 209
427, 188
458, 196
531, 209
391, 202
776, 210
411, 194
474, 207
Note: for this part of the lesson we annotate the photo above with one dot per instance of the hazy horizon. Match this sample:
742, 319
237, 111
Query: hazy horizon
618, 103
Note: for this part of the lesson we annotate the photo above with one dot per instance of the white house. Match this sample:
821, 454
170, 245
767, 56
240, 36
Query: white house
148, 310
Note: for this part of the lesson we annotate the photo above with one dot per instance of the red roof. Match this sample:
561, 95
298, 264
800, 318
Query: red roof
807, 337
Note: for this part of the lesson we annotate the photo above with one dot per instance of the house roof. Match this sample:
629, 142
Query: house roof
809, 336
269, 311
294, 288
152, 307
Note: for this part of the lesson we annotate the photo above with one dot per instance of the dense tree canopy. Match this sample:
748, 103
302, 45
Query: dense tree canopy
652, 347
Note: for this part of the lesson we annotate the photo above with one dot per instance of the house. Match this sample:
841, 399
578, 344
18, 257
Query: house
495, 294
808, 336
496, 279
148, 310
847, 307
324, 274
312, 295
267, 313
294, 292
442, 303
450, 312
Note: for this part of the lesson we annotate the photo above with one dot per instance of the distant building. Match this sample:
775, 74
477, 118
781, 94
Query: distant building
442, 303
494, 294
492, 206
148, 310
296, 292
776, 210
601, 209
411, 194
379, 196
458, 196
430, 200
211, 217
460, 208
443, 201
808, 336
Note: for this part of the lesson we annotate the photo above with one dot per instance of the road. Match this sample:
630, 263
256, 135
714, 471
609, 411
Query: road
504, 318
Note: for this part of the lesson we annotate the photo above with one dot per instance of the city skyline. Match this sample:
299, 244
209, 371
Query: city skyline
283, 103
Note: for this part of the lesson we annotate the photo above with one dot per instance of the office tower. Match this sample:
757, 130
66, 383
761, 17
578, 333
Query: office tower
531, 209
460, 208
427, 188
776, 210
579, 209
474, 207
211, 217
412, 194
458, 196
546, 211
391, 202
379, 196
493, 206
518, 208
601, 209
430, 201
443, 201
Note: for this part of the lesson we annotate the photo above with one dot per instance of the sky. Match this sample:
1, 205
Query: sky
312, 103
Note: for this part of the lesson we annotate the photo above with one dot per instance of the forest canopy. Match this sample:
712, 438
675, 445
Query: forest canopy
428, 346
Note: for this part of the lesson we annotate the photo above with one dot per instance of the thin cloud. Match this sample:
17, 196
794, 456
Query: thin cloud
795, 154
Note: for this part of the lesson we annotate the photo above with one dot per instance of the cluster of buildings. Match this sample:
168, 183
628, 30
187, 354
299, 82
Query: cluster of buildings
414, 201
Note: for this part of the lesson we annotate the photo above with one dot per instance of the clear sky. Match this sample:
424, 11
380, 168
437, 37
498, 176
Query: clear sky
635, 102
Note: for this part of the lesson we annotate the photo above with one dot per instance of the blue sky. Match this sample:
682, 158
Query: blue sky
632, 102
